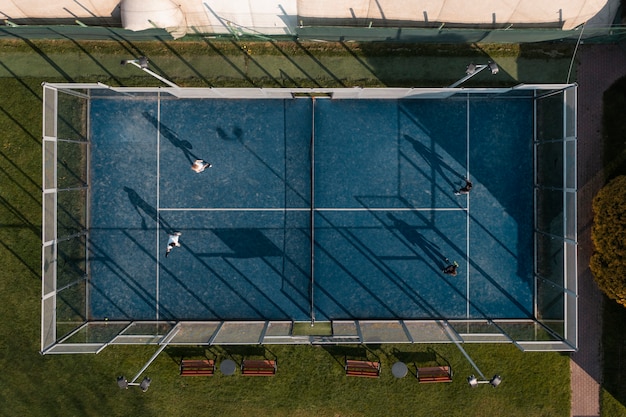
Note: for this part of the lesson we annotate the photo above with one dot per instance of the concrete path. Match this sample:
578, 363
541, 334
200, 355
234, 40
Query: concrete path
599, 66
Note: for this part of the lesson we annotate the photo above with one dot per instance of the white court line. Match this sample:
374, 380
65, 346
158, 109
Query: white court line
392, 209
235, 209
309, 209
467, 225
158, 200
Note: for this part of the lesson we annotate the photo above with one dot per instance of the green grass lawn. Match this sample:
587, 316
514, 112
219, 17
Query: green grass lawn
310, 380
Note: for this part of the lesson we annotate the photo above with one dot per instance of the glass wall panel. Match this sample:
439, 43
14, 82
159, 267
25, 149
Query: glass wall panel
551, 306
49, 269
71, 212
550, 164
97, 332
571, 279
550, 117
48, 322
570, 112
550, 259
570, 216
155, 328
550, 211
49, 218
195, 332
49, 111
49, 166
525, 331
72, 262
71, 307
383, 331
71, 164
570, 164
72, 117
572, 322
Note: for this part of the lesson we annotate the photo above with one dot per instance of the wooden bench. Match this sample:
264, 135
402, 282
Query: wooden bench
365, 369
265, 367
204, 367
434, 374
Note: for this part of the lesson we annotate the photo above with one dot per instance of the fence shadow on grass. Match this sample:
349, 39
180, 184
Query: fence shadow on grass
415, 357
340, 352
238, 353
178, 353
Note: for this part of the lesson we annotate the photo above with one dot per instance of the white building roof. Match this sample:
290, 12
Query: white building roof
274, 17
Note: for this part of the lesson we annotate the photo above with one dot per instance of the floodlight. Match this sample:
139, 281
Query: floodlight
122, 382
471, 68
472, 381
145, 384
143, 62
495, 381
493, 67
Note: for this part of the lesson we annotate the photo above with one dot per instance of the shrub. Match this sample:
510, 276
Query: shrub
608, 263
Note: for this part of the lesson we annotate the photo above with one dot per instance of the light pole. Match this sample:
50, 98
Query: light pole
142, 64
473, 69
494, 382
471, 380
123, 383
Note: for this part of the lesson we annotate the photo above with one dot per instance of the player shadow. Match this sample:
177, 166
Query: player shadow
184, 145
414, 237
237, 134
144, 209
436, 162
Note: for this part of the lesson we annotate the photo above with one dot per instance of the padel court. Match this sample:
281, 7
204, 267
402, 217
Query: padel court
332, 206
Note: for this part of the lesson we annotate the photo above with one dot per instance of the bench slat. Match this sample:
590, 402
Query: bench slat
365, 369
258, 367
434, 374
192, 367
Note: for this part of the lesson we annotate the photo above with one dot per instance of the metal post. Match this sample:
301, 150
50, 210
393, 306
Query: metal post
163, 346
469, 75
467, 356
473, 69
155, 75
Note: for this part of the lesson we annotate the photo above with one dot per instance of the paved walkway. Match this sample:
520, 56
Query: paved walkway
599, 67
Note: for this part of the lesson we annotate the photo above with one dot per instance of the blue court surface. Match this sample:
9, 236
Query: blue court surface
370, 199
